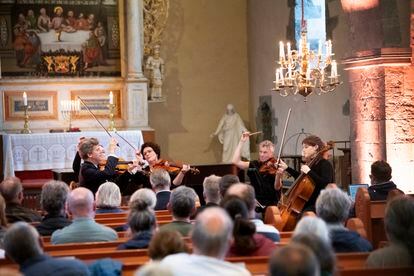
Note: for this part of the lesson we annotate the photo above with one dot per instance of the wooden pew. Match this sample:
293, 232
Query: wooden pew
371, 213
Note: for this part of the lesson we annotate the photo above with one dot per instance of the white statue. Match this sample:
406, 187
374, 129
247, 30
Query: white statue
155, 67
229, 130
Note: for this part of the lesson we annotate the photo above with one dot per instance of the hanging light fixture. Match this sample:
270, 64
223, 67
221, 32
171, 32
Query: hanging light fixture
305, 71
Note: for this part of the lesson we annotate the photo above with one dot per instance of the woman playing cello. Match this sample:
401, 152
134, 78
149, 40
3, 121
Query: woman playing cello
321, 172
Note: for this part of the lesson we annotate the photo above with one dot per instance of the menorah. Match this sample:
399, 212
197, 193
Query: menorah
68, 108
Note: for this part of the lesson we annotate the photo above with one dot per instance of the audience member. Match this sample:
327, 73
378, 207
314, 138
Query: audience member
108, 198
3, 220
153, 269
81, 205
399, 226
211, 239
293, 260
53, 199
322, 249
12, 191
333, 207
161, 182
165, 243
182, 206
146, 195
211, 192
381, 183
313, 225
142, 224
22, 245
247, 195
246, 241
226, 181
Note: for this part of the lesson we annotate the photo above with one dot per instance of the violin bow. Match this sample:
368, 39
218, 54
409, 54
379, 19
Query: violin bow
93, 115
284, 135
125, 140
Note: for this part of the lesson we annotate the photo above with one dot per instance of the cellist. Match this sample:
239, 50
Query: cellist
321, 172
266, 183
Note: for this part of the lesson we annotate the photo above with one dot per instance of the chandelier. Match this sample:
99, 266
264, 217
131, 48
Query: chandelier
305, 71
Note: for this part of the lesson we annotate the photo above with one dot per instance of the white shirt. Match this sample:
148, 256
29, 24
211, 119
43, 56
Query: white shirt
183, 264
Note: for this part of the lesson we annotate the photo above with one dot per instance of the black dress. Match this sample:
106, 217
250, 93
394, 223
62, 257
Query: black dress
263, 184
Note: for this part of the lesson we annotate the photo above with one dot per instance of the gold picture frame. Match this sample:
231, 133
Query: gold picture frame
98, 103
42, 105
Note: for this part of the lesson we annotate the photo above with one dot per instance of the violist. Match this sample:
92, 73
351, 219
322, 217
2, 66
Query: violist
321, 172
266, 183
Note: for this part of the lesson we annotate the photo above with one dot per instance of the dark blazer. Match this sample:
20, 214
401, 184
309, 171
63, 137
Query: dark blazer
163, 198
45, 265
91, 177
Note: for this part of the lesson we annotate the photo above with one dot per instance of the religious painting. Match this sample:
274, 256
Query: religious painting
59, 38
98, 103
42, 105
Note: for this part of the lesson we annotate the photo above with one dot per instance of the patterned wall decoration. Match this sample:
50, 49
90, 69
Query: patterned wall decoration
59, 38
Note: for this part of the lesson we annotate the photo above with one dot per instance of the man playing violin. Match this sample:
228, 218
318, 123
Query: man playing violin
264, 176
321, 172
98, 168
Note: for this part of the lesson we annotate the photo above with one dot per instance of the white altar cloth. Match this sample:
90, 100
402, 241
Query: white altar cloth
44, 151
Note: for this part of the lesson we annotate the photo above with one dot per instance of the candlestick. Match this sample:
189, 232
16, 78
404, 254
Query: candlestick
111, 117
281, 51
26, 129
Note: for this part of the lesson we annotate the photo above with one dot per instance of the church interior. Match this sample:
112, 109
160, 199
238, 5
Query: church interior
192, 76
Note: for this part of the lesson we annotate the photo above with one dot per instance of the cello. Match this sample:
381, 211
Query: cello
294, 200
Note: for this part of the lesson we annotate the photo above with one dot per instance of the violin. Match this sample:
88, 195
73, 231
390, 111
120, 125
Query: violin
120, 168
269, 166
171, 167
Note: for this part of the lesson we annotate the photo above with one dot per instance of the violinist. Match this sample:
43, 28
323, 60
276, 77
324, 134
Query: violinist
264, 175
150, 159
93, 154
320, 172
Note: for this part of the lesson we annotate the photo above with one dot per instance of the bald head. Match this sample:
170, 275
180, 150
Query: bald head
11, 189
80, 203
244, 192
212, 233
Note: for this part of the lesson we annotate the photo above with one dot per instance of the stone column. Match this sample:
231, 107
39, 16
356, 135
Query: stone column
136, 89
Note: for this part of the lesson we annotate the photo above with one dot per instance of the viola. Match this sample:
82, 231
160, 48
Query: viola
172, 167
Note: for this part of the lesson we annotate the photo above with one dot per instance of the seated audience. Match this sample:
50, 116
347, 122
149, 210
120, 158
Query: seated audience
3, 220
333, 207
246, 241
293, 260
53, 199
322, 249
399, 226
182, 206
12, 191
142, 224
146, 195
165, 243
22, 245
161, 182
381, 183
81, 205
226, 181
211, 239
313, 225
108, 198
247, 195
211, 192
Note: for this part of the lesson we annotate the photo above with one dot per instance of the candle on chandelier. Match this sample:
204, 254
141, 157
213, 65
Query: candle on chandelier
319, 48
277, 77
290, 72
308, 72
281, 51
329, 48
24, 99
111, 98
334, 72
289, 53
282, 78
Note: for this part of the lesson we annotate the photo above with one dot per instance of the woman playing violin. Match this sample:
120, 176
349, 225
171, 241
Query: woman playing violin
264, 175
150, 158
320, 172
